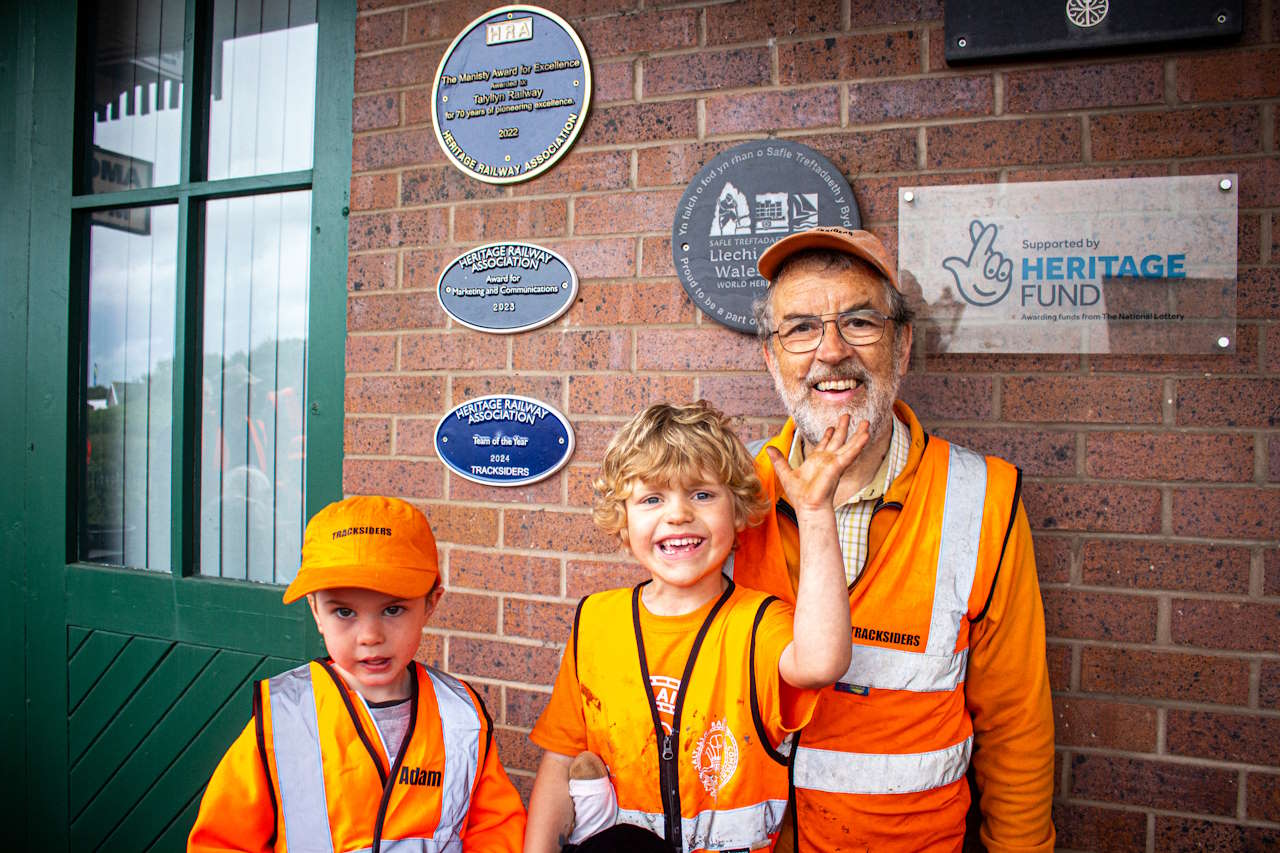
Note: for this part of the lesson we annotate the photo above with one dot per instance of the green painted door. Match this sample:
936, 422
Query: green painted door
173, 317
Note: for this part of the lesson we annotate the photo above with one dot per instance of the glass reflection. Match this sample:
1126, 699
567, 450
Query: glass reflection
128, 391
256, 274
262, 99
136, 83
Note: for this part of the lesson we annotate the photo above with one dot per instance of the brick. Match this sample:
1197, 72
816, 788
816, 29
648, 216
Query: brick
462, 525
1080, 87
868, 13
1226, 513
1258, 290
943, 397
379, 32
436, 21
1269, 688
1053, 558
1088, 173
460, 611
543, 492
1180, 566
415, 437
593, 436
444, 183
756, 20
861, 152
422, 268
579, 481
1226, 625
665, 29
1071, 614
585, 577
655, 256
1099, 829
1169, 456
673, 165
624, 394
742, 395
397, 68
890, 54
598, 257
1049, 453
620, 212
573, 349
504, 572
1248, 239
397, 477
456, 350
582, 171
1241, 402
1103, 724
394, 395
646, 304
414, 147
430, 650
1184, 835
763, 111
370, 192
503, 661
1077, 399
613, 81
1247, 738
516, 750
708, 348
1004, 143
1058, 659
878, 202
995, 363
548, 530
1271, 565
375, 112
1263, 798
1201, 132
366, 436
499, 220
378, 313
1228, 76
1154, 784
673, 74
396, 230
549, 389
647, 122
1092, 507
538, 620
1165, 675
1257, 178
921, 98
417, 108
1244, 359
370, 353
371, 272
523, 707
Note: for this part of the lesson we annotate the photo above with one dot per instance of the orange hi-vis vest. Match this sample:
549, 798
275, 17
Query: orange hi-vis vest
329, 771
882, 764
716, 782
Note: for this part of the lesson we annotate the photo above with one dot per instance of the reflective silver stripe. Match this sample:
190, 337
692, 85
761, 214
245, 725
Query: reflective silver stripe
460, 725
894, 669
412, 845
958, 548
654, 822
870, 773
733, 829
299, 767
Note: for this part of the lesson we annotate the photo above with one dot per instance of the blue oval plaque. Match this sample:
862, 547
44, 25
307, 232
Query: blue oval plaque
507, 287
504, 440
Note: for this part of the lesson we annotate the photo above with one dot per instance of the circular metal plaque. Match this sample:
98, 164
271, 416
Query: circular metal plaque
504, 440
507, 287
739, 204
511, 94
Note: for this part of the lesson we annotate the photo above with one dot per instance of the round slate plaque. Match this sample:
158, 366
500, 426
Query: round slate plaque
511, 94
738, 205
507, 287
504, 440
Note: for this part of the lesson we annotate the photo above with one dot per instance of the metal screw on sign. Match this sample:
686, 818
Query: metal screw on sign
962, 42
1222, 18
1224, 342
1224, 184
909, 197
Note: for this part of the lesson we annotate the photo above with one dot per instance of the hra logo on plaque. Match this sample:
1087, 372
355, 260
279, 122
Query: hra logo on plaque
507, 287
504, 440
511, 94
738, 205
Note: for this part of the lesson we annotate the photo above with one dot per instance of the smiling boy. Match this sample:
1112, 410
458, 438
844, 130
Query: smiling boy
687, 685
368, 748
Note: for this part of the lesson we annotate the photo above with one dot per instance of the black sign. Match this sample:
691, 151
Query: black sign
504, 440
511, 94
742, 202
507, 287
986, 29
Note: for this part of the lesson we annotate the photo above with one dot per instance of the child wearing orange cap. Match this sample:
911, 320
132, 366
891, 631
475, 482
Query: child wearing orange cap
368, 749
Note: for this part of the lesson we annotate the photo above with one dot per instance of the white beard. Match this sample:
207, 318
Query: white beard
813, 422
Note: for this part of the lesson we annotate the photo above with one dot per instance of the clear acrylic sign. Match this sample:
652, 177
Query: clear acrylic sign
1140, 265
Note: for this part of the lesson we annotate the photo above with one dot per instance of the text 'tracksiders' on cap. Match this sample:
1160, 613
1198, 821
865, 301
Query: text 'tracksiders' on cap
860, 244
370, 542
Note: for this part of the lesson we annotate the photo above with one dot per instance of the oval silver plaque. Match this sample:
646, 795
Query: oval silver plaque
507, 287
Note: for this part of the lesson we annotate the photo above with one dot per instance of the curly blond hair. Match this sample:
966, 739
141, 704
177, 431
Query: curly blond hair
670, 443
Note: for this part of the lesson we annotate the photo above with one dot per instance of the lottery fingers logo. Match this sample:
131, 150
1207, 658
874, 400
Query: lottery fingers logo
985, 276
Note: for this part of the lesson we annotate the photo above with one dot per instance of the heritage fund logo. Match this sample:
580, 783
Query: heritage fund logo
985, 276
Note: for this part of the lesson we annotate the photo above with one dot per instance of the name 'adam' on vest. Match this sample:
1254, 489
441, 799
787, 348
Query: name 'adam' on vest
418, 776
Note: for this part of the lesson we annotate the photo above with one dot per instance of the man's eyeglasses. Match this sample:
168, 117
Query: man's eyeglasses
858, 328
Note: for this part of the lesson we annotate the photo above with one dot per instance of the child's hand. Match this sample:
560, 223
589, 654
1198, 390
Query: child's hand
812, 486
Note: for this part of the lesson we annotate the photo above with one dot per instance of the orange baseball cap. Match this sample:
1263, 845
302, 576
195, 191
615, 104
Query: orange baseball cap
860, 244
370, 542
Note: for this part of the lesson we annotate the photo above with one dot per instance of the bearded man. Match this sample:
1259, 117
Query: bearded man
946, 620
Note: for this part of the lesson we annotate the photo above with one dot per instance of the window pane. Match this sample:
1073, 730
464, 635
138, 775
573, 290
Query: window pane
129, 387
256, 274
263, 84
136, 80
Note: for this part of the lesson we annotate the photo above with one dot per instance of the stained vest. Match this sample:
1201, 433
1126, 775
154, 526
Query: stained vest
885, 755
336, 789
716, 781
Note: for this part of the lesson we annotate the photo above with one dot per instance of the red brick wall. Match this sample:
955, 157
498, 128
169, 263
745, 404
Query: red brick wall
1153, 483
